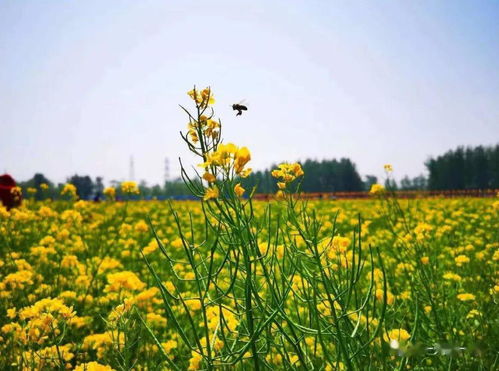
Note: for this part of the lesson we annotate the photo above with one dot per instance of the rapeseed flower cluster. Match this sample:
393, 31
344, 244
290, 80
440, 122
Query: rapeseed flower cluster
69, 190
202, 98
128, 187
110, 192
377, 189
227, 159
287, 173
209, 127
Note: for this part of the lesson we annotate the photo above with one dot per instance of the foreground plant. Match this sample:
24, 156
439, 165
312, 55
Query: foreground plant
274, 289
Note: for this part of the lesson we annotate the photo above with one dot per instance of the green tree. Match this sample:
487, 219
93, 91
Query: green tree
84, 186
99, 187
36, 182
465, 168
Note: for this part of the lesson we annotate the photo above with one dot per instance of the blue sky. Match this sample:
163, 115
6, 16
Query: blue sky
84, 85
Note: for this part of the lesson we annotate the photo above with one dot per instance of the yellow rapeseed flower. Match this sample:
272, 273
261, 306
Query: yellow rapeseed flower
239, 190
452, 276
203, 97
229, 156
70, 190
195, 361
461, 259
377, 189
93, 366
380, 294
130, 187
123, 280
466, 297
210, 178
287, 173
400, 335
211, 192
473, 313
110, 192
243, 156
169, 345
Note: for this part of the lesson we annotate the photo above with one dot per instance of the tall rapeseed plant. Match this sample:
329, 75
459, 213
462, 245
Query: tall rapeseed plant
265, 288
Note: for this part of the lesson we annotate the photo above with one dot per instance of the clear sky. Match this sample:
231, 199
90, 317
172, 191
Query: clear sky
84, 85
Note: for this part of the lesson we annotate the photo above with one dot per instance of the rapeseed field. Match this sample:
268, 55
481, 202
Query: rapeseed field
231, 283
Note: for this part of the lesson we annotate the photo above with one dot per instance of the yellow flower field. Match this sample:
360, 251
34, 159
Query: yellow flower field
73, 284
227, 282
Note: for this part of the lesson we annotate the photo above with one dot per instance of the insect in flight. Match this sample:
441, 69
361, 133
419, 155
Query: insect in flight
239, 107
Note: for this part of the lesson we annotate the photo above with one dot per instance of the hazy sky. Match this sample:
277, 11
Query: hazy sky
84, 85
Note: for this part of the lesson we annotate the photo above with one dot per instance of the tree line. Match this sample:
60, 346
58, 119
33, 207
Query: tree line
461, 168
465, 168
321, 176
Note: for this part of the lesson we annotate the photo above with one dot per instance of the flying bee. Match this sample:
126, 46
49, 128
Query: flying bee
239, 107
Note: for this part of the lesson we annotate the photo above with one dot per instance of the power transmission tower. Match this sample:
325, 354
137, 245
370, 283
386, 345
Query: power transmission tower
131, 170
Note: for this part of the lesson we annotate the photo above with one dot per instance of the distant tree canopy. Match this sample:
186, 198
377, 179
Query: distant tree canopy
417, 183
36, 182
170, 188
84, 186
462, 168
465, 168
175, 188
